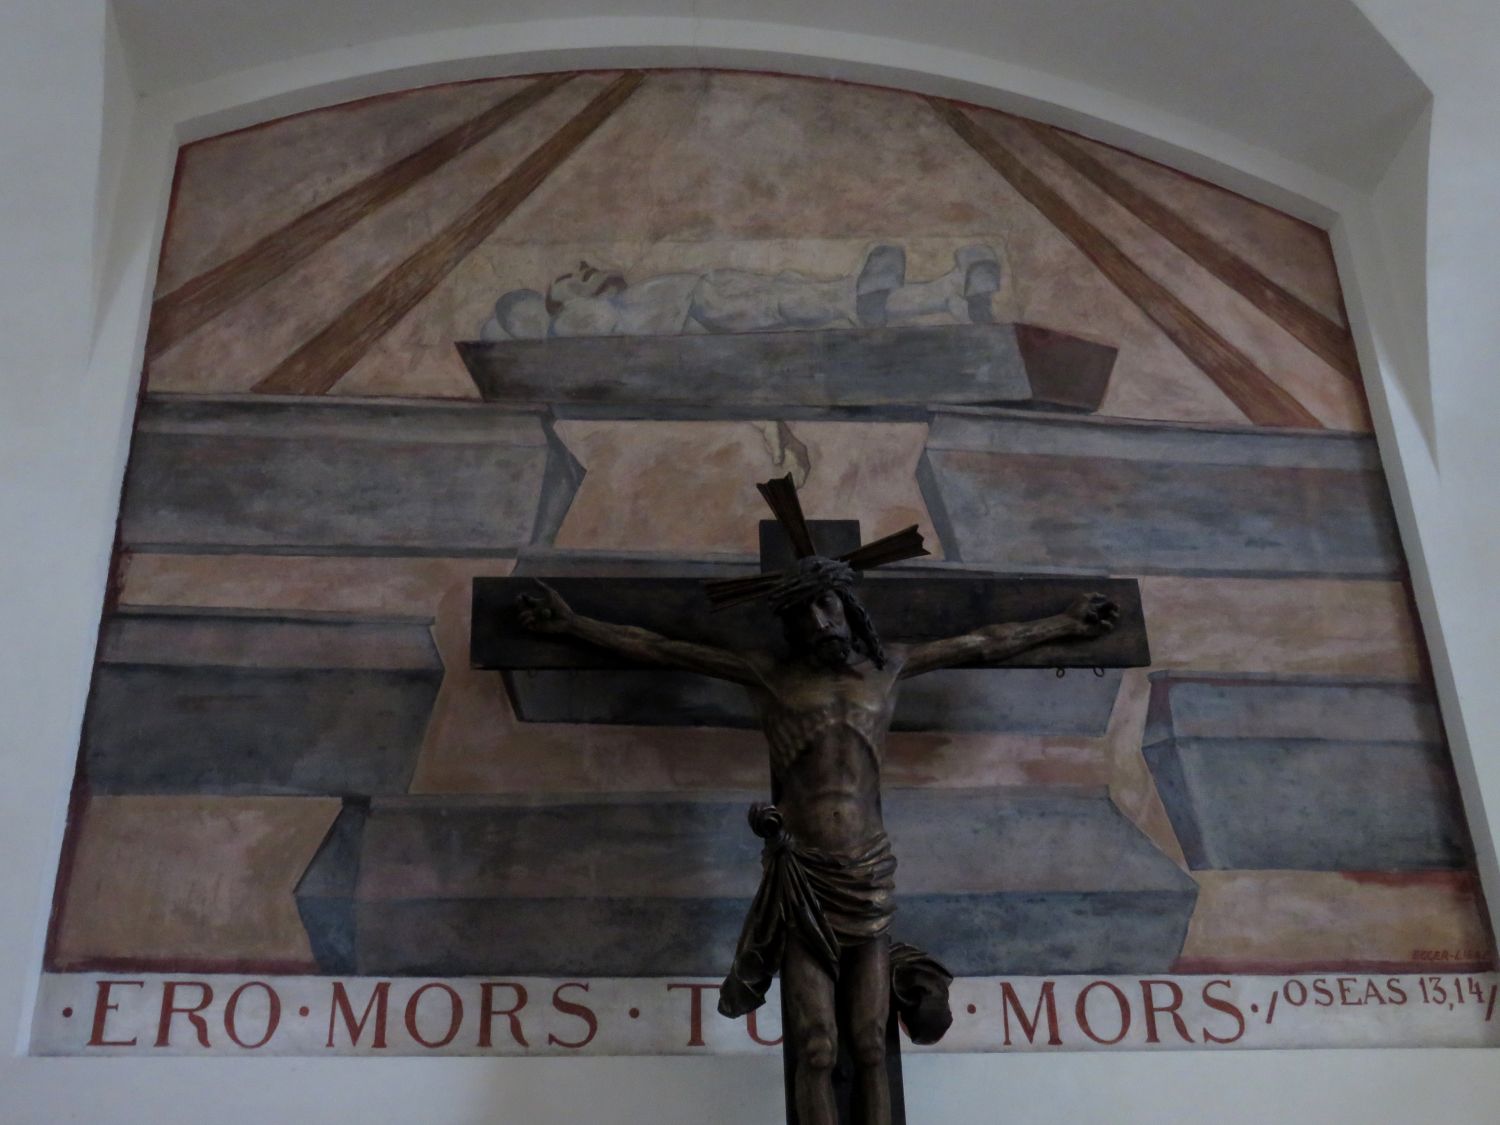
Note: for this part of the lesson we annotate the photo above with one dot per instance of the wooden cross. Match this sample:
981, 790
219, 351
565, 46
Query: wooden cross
912, 608
550, 679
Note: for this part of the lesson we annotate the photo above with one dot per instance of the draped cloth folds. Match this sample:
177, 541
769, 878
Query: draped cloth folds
829, 901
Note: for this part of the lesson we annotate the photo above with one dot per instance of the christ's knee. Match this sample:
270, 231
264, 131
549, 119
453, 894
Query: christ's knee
868, 1043
818, 1049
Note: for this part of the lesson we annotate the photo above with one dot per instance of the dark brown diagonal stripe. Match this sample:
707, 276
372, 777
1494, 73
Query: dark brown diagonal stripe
319, 363
1327, 339
1247, 386
198, 300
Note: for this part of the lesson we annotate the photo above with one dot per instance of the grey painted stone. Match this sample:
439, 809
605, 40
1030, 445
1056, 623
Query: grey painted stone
325, 893
1063, 494
1027, 700
187, 702
228, 638
1314, 775
1185, 706
560, 483
991, 881
724, 374
329, 475
620, 937
937, 508
1047, 933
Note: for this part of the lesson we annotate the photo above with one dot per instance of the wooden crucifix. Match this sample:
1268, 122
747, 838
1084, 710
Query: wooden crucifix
824, 698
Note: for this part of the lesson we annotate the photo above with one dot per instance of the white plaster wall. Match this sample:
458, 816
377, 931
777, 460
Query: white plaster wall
68, 368
1332, 105
54, 490
1421, 258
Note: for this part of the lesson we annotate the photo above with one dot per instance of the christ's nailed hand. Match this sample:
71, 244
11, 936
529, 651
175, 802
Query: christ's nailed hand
545, 613
1095, 615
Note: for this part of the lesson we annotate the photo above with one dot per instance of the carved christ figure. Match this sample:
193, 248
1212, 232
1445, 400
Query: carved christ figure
826, 899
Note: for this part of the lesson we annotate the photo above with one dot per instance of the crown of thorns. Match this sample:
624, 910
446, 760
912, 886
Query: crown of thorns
812, 573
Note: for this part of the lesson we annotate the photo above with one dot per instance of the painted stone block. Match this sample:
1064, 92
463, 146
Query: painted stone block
1138, 498
743, 374
1364, 628
686, 487
1352, 921
329, 476
1304, 774
993, 881
222, 702
164, 882
325, 893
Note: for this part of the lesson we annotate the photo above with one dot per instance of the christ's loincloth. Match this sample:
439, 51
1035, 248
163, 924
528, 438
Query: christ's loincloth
829, 901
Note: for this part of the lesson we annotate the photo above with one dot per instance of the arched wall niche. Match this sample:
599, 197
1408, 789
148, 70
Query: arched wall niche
624, 294
1254, 160
1261, 75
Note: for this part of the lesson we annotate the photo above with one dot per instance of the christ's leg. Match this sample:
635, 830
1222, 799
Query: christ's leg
731, 300
865, 993
811, 1020
964, 292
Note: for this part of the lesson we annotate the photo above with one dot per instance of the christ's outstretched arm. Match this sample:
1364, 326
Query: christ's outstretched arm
549, 613
1092, 615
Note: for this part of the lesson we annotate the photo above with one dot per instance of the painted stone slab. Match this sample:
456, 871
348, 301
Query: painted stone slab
726, 375
333, 475
218, 702
1303, 774
649, 888
1136, 498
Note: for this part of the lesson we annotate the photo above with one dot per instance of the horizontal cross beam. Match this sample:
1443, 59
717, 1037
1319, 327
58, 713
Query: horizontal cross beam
906, 608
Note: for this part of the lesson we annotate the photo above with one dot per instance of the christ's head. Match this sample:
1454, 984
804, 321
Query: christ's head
585, 281
821, 617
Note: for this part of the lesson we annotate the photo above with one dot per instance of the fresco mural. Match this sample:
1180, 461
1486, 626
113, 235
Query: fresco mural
557, 327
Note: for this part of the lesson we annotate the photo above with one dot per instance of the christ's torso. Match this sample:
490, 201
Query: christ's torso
826, 729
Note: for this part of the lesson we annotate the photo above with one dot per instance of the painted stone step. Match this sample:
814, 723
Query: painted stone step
798, 373
1308, 774
1027, 492
329, 476
992, 881
187, 701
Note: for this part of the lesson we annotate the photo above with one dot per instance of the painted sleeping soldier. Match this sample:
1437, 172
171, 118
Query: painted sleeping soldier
826, 897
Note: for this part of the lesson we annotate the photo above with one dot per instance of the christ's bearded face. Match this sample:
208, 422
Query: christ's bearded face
819, 628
